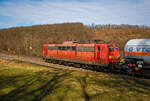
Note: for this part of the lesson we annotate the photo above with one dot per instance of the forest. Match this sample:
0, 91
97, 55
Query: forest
29, 40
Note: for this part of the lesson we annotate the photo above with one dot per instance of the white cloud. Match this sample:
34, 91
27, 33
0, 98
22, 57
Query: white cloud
46, 12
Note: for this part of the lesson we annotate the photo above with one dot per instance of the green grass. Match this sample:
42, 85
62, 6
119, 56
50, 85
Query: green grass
26, 82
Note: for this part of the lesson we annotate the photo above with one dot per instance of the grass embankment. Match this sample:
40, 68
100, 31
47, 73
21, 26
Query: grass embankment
26, 82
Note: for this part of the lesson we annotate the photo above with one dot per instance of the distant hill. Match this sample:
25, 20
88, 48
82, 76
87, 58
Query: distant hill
29, 40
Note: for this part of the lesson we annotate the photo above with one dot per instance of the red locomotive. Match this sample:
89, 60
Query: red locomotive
100, 54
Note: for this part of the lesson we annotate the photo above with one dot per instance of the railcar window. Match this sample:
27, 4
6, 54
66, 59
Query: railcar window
73, 48
63, 48
91, 49
85, 48
59, 47
68, 48
111, 48
79, 48
117, 48
51, 48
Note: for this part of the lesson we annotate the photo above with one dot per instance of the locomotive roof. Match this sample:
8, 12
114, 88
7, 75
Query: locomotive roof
88, 44
138, 42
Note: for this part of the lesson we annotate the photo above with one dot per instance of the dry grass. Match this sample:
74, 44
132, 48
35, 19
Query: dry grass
26, 82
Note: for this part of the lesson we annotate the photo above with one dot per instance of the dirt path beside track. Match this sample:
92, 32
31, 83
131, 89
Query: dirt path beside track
36, 61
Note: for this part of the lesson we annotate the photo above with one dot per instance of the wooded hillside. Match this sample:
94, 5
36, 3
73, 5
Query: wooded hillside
29, 40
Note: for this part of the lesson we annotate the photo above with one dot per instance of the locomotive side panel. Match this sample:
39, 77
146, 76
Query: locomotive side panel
66, 51
85, 52
101, 53
105, 51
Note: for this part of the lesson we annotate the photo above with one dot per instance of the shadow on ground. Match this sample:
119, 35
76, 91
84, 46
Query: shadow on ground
124, 83
61, 85
37, 92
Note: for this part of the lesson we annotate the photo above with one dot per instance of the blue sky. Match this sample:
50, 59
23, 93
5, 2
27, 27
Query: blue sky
33, 12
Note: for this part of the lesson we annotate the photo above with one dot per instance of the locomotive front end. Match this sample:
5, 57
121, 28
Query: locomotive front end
113, 53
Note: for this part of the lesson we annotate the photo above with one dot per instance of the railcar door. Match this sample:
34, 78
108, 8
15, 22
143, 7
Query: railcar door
98, 53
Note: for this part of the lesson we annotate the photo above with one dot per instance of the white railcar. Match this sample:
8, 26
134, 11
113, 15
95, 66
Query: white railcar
137, 51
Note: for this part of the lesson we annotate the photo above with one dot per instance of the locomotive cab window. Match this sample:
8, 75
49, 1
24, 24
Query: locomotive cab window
111, 48
117, 48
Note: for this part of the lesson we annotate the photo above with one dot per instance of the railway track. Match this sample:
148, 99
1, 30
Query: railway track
40, 62
37, 61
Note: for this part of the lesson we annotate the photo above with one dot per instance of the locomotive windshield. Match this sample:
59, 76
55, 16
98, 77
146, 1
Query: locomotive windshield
117, 48
111, 48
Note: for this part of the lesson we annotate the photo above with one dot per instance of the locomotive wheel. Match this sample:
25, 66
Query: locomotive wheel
54, 62
88, 67
106, 70
97, 68
48, 60
77, 65
83, 66
111, 68
60, 62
